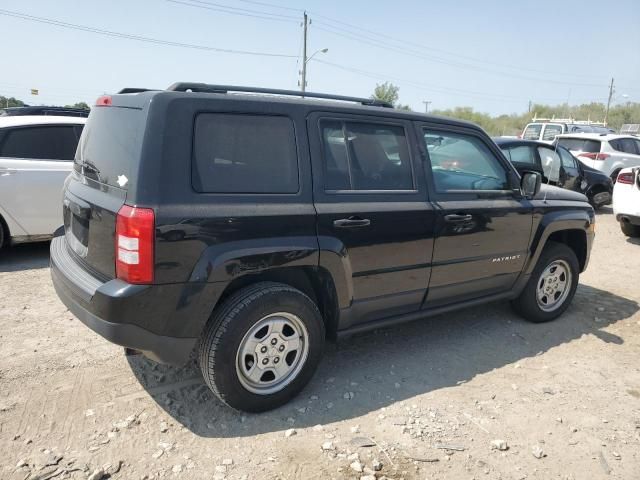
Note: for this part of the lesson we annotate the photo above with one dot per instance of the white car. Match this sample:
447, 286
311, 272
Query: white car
626, 201
607, 153
36, 155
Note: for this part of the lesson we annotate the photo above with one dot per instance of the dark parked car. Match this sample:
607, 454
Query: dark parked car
43, 110
570, 172
303, 220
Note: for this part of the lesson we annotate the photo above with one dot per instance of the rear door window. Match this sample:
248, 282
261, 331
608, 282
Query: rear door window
626, 145
365, 156
238, 153
41, 142
567, 159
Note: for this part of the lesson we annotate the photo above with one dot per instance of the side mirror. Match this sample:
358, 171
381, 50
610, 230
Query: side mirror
530, 183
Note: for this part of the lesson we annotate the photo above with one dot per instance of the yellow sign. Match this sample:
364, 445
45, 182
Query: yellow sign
34, 91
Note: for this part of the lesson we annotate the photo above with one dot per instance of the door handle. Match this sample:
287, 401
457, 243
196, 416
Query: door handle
7, 171
457, 218
352, 222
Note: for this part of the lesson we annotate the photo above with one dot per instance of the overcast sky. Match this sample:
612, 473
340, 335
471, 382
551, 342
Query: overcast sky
493, 56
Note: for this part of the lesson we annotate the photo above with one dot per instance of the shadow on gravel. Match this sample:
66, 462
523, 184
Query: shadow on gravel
635, 241
24, 257
388, 365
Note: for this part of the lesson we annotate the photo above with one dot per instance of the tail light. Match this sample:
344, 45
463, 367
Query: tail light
626, 177
594, 155
135, 240
104, 101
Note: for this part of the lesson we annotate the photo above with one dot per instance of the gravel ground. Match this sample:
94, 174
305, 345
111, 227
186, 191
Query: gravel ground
474, 394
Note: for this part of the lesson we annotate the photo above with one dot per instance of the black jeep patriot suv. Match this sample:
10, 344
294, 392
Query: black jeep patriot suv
253, 227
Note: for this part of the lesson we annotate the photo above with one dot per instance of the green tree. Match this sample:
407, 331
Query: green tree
388, 92
82, 105
6, 102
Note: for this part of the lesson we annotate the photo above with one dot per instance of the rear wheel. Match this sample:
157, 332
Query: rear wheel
4, 234
629, 229
552, 285
262, 346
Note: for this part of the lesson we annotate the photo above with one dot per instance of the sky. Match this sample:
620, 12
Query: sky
494, 56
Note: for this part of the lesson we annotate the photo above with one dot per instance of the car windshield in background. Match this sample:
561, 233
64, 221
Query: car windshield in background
550, 131
532, 132
580, 144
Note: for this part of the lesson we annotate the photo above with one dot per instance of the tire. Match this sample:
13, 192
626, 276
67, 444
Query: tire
533, 309
239, 324
630, 230
4, 233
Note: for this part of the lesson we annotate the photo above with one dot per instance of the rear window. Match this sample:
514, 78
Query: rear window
238, 153
532, 131
550, 132
40, 143
580, 144
110, 145
520, 154
626, 145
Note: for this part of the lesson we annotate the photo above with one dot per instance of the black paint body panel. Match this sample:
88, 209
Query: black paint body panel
407, 262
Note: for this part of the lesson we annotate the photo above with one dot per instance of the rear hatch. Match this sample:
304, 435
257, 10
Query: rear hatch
105, 166
586, 149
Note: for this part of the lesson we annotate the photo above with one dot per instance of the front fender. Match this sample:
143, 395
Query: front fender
548, 222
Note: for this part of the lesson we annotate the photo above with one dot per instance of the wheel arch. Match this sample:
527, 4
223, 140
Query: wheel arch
315, 282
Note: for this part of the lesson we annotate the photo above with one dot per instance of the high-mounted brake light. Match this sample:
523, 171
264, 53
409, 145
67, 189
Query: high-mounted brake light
626, 177
594, 155
135, 239
104, 101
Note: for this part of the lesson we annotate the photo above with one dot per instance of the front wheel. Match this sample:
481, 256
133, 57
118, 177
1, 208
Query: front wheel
552, 285
262, 346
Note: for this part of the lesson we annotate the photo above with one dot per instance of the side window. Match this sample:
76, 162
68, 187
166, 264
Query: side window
40, 143
238, 153
628, 145
521, 154
550, 163
365, 156
550, 132
463, 162
567, 159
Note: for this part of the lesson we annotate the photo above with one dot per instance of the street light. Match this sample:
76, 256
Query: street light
304, 65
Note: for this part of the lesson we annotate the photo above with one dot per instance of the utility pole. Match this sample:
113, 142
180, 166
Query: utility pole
530, 104
426, 105
606, 113
303, 85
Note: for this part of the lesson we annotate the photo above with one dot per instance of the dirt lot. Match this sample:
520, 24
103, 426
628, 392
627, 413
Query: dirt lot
425, 399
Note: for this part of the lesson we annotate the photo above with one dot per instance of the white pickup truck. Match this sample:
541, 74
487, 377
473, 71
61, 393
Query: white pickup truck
36, 155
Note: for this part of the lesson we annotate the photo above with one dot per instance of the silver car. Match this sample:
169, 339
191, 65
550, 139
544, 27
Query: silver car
36, 155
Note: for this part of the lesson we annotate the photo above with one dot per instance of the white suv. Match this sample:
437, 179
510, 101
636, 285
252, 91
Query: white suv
607, 153
36, 155
626, 201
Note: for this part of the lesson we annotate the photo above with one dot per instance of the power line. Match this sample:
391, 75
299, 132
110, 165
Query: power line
243, 12
424, 86
440, 60
352, 27
138, 38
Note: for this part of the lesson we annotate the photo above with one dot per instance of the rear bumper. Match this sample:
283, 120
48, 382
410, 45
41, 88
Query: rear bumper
162, 321
632, 219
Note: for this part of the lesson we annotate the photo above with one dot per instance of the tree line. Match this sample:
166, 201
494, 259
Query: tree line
512, 124
8, 102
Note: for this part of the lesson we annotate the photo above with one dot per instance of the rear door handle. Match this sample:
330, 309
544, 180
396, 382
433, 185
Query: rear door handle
457, 218
352, 222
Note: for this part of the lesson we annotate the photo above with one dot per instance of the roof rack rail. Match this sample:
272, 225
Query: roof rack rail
207, 88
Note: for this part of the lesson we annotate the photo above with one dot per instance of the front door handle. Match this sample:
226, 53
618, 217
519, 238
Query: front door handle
458, 218
352, 222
